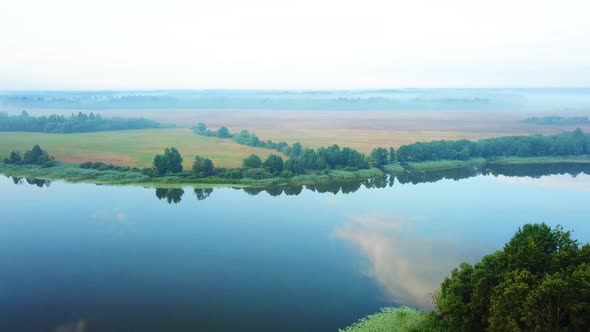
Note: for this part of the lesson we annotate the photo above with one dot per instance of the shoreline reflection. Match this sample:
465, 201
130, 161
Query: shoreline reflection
534, 171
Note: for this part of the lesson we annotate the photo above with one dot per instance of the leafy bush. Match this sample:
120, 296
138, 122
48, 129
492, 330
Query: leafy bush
86, 165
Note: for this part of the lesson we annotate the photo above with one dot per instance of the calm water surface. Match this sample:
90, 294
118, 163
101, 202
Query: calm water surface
81, 257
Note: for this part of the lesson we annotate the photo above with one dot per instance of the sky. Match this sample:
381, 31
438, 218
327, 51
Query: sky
296, 44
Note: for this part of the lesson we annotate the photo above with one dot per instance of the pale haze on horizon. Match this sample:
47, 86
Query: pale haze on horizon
260, 44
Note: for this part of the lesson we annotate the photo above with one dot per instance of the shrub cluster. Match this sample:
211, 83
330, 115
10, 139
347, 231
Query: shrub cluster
35, 156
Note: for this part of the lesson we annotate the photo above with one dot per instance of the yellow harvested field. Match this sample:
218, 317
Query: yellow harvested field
131, 148
362, 130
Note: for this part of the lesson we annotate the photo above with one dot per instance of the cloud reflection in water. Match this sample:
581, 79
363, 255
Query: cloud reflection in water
409, 266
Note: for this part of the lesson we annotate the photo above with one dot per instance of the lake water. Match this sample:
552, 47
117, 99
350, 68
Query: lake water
81, 257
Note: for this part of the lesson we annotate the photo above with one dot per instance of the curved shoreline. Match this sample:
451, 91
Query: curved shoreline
74, 174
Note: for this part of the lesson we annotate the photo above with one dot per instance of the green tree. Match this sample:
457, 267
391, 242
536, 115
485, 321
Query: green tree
36, 156
203, 167
253, 161
200, 127
174, 160
169, 162
223, 132
380, 156
392, 158
13, 158
540, 281
296, 149
160, 165
273, 164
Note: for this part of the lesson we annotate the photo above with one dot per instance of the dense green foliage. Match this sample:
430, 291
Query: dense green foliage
253, 161
106, 167
203, 167
300, 160
273, 164
35, 156
392, 155
335, 158
557, 120
540, 281
564, 144
332, 157
169, 162
80, 123
201, 129
247, 138
380, 156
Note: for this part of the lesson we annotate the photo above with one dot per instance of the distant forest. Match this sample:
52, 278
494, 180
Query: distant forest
557, 120
572, 143
75, 123
565, 144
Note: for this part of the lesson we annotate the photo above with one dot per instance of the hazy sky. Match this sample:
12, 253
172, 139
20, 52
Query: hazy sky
142, 44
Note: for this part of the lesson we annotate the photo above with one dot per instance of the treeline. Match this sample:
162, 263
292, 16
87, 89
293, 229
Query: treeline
245, 137
305, 159
253, 167
100, 166
564, 144
75, 123
557, 120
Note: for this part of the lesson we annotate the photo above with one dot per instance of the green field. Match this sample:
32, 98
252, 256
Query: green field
135, 148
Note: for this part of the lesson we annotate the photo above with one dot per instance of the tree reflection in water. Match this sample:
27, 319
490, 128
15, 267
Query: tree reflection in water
172, 195
35, 182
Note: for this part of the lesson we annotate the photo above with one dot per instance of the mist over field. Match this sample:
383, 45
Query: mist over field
549, 99
280, 165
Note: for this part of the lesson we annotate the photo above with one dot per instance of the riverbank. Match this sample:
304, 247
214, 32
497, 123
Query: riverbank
438, 165
73, 173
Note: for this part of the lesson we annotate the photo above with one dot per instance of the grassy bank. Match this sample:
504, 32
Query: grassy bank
452, 164
401, 319
436, 165
73, 173
582, 159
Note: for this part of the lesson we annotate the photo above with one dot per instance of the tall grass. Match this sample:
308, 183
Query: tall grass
443, 164
400, 319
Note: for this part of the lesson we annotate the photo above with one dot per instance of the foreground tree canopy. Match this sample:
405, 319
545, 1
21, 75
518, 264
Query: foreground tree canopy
539, 281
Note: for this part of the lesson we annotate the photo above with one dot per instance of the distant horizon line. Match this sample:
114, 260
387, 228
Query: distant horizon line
295, 89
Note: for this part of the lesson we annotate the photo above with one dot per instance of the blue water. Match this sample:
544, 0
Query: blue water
81, 257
